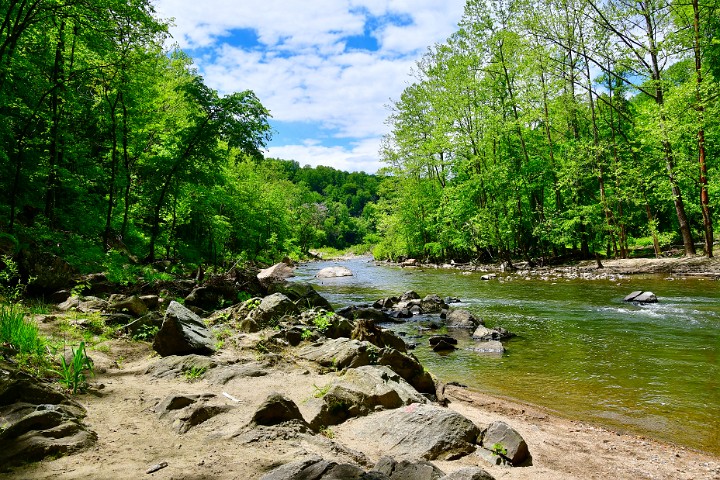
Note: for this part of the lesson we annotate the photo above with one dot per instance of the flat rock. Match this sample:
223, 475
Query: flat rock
183, 333
417, 431
462, 319
38, 421
362, 391
469, 473
333, 272
176, 365
187, 411
316, 468
339, 353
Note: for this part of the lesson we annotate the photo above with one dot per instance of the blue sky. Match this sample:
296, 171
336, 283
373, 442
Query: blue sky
326, 69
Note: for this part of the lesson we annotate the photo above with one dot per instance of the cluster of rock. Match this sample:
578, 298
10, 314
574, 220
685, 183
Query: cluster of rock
384, 395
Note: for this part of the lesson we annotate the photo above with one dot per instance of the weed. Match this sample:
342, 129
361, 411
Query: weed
72, 375
498, 449
306, 334
194, 373
146, 332
78, 289
327, 432
253, 303
323, 321
17, 333
321, 391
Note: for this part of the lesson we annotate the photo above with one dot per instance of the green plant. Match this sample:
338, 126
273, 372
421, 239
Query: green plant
146, 332
306, 334
321, 391
73, 375
17, 333
11, 286
253, 303
498, 449
323, 321
194, 373
327, 432
79, 288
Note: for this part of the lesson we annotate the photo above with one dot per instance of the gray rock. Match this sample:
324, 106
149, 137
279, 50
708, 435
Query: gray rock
339, 353
183, 333
303, 294
315, 468
432, 304
367, 330
407, 470
187, 411
71, 302
223, 375
501, 436
206, 298
469, 473
418, 432
91, 304
272, 308
176, 365
409, 295
37, 421
277, 273
409, 368
630, 297
276, 409
362, 391
132, 304
462, 319
47, 272
333, 272
646, 297
483, 334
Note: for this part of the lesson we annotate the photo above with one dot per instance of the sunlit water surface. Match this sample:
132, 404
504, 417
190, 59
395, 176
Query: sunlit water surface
580, 350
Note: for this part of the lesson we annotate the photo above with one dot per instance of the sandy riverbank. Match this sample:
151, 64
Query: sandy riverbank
131, 437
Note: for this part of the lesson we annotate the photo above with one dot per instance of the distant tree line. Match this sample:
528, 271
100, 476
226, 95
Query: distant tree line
555, 127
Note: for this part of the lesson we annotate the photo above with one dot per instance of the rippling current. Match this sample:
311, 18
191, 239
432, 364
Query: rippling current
580, 350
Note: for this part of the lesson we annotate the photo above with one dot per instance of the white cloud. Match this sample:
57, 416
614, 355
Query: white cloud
302, 71
361, 156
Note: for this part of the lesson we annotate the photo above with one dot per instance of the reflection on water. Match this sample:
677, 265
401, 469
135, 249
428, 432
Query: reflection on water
581, 351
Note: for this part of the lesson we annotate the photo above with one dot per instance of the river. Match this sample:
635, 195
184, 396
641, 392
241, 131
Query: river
580, 351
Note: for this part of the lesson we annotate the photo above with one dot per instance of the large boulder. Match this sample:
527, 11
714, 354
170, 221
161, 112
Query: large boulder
432, 304
409, 368
360, 392
276, 409
407, 470
315, 468
272, 308
417, 431
133, 304
501, 439
277, 273
333, 272
340, 353
368, 331
182, 333
303, 294
37, 420
462, 319
48, 273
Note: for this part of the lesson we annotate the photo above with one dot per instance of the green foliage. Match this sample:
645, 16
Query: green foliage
320, 392
73, 375
306, 334
498, 449
323, 321
12, 287
194, 373
19, 334
146, 332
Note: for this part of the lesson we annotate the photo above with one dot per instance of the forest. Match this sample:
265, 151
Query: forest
540, 130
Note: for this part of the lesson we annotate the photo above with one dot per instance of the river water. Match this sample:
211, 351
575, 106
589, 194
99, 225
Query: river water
580, 350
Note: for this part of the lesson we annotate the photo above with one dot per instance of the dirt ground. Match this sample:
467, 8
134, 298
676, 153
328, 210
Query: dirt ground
132, 439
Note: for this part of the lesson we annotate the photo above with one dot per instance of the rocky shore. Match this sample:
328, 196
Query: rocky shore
279, 387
